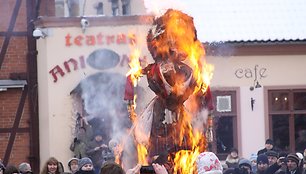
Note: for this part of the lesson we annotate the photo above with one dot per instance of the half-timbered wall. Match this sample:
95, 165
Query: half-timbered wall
18, 105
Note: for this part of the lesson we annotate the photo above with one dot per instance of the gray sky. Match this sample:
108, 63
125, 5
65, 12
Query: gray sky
241, 20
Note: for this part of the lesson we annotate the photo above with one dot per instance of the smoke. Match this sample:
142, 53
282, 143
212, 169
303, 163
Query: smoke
159, 7
102, 96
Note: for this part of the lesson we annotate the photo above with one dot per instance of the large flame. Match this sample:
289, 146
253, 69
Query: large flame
184, 161
176, 39
135, 68
142, 154
134, 74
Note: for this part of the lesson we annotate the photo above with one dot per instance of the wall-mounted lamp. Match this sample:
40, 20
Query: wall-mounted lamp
255, 85
40, 33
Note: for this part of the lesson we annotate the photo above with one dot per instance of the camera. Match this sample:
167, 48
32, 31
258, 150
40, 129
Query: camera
84, 22
39, 33
146, 170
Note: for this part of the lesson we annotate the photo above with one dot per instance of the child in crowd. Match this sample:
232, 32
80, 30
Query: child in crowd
73, 165
85, 166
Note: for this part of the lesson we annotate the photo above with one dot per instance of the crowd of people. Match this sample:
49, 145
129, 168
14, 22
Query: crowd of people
23, 168
268, 160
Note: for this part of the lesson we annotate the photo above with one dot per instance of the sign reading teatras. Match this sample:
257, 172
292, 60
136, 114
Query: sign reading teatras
99, 39
103, 58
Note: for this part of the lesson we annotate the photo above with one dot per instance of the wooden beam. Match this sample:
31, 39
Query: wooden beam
9, 32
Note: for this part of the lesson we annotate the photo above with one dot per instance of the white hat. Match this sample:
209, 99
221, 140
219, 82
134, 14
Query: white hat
208, 163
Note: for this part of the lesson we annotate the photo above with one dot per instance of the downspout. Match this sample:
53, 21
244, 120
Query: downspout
32, 14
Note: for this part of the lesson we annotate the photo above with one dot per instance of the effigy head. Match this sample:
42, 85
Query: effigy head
173, 36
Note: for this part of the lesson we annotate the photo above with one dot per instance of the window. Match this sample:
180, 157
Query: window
225, 123
115, 7
99, 8
287, 119
126, 9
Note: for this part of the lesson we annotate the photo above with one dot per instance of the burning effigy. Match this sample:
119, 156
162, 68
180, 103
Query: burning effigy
173, 122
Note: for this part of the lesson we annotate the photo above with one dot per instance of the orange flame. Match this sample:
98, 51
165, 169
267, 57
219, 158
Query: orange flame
142, 154
184, 161
135, 73
174, 38
135, 68
117, 152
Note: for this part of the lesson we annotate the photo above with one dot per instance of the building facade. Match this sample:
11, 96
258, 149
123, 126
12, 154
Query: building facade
259, 87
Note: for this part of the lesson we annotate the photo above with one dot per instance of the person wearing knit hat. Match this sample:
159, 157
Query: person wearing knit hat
253, 160
269, 145
95, 150
262, 163
208, 163
11, 169
272, 157
73, 165
292, 163
25, 168
246, 165
85, 166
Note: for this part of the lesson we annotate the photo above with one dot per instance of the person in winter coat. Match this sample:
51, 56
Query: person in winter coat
262, 163
73, 165
269, 145
232, 159
95, 150
85, 166
208, 163
25, 168
51, 167
293, 162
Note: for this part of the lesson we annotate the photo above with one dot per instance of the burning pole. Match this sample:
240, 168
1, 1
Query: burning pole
133, 76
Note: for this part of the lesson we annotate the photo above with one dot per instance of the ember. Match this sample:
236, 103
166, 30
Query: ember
178, 76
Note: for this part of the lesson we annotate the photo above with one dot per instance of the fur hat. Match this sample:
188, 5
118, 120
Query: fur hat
84, 161
293, 157
208, 163
262, 158
72, 159
272, 153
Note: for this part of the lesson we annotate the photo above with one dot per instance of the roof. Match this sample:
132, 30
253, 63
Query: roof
247, 20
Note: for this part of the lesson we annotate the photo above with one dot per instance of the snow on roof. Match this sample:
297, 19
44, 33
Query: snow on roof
246, 20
